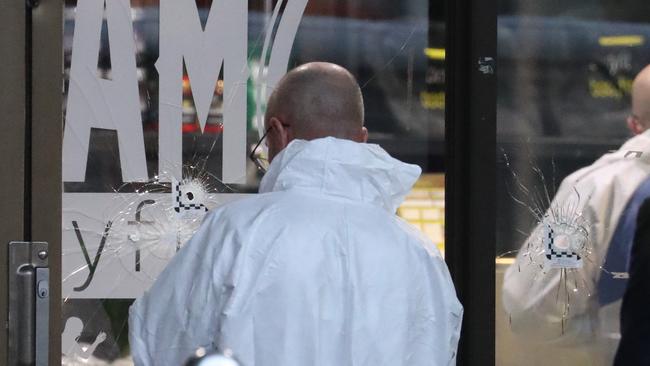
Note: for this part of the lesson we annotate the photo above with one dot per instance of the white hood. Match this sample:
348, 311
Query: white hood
342, 168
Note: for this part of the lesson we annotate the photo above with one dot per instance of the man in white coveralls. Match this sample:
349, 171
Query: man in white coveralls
608, 194
316, 269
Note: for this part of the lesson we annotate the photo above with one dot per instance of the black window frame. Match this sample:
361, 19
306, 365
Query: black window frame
470, 183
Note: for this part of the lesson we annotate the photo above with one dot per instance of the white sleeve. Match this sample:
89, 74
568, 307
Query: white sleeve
536, 299
181, 310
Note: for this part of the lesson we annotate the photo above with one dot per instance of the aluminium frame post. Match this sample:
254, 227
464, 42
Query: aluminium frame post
470, 137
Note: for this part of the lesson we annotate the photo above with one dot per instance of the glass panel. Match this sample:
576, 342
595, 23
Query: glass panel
566, 71
154, 125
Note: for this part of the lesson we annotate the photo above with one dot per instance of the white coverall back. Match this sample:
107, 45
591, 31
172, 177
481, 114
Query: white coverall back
315, 270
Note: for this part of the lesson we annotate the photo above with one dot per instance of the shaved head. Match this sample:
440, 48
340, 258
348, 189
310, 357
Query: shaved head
641, 97
316, 100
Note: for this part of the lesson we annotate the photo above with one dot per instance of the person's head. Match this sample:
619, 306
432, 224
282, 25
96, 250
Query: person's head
639, 119
314, 100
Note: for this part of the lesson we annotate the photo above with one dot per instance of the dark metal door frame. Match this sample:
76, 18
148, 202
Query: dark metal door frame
31, 40
46, 125
470, 136
12, 141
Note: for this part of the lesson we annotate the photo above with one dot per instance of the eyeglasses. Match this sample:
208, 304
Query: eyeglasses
259, 155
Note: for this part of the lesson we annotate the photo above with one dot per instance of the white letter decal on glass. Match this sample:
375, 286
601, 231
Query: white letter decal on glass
223, 43
99, 103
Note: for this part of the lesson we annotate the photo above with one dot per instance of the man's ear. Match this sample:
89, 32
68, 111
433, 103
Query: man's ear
634, 125
279, 131
363, 135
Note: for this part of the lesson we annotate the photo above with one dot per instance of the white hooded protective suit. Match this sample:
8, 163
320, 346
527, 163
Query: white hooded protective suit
530, 298
315, 270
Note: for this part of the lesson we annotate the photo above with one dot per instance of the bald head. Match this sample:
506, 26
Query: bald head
641, 98
316, 100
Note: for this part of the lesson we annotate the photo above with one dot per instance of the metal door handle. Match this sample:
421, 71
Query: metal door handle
28, 320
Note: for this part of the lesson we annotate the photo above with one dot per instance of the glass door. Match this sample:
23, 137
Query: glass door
163, 101
564, 183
